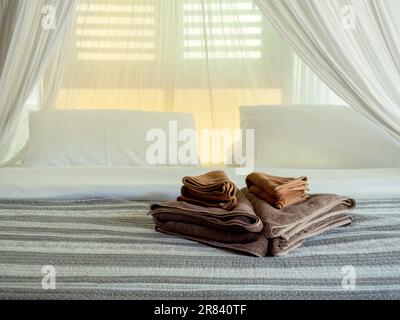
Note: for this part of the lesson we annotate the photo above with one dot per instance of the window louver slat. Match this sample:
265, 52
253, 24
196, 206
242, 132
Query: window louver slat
221, 30
116, 32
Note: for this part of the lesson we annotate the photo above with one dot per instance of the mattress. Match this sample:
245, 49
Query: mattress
163, 183
108, 249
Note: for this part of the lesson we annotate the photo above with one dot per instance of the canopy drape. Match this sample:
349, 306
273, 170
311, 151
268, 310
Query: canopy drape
31, 33
352, 45
206, 57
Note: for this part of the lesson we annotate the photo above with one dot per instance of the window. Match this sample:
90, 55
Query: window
205, 57
129, 32
221, 30
34, 98
308, 87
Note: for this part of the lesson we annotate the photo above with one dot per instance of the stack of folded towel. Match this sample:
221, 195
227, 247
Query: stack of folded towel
273, 215
287, 229
289, 214
211, 210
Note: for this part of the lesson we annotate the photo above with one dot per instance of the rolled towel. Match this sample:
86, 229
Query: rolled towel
288, 228
239, 229
213, 189
280, 192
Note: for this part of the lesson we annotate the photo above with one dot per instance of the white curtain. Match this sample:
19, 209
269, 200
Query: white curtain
207, 57
353, 45
31, 34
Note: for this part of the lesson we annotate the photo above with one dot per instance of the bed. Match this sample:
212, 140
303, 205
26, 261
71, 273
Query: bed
79, 205
108, 249
102, 244
163, 183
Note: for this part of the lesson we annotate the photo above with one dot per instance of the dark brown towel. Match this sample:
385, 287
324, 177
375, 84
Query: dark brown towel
289, 227
239, 229
213, 189
280, 192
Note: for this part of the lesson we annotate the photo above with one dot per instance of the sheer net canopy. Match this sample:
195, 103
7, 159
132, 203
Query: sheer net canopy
207, 57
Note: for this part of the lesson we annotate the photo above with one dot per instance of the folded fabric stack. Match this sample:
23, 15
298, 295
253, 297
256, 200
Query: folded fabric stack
211, 210
213, 189
290, 215
278, 191
273, 215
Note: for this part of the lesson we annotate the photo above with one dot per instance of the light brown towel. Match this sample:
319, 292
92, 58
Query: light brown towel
290, 226
213, 189
239, 229
278, 191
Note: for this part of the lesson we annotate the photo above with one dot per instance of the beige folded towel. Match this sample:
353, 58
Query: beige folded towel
280, 192
289, 227
213, 189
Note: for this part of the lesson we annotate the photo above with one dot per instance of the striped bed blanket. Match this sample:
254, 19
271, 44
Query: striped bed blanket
108, 249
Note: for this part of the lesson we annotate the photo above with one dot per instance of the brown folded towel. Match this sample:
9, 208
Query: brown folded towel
239, 229
213, 189
278, 191
289, 227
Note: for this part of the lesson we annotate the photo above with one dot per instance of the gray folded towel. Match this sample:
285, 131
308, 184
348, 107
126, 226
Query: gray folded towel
289, 227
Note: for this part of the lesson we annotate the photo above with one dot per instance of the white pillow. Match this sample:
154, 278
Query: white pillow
97, 137
318, 137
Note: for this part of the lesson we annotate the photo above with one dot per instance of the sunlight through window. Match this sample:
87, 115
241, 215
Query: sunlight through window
222, 30
129, 35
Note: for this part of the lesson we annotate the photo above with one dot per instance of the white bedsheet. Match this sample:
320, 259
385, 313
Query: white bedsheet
162, 183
